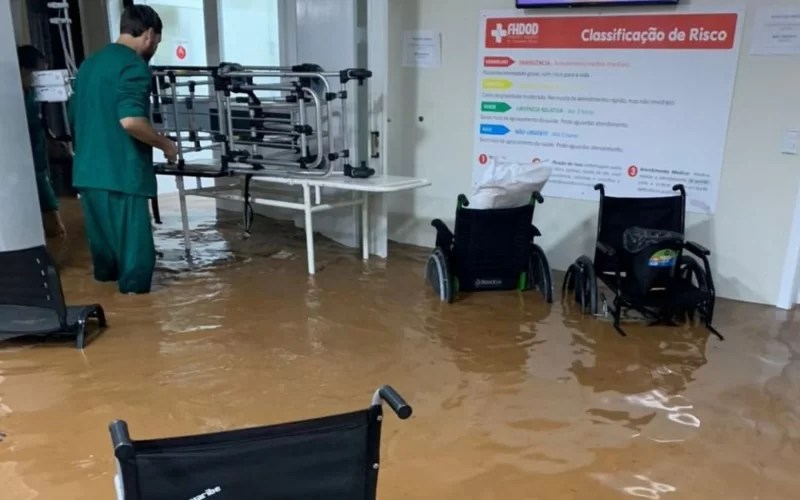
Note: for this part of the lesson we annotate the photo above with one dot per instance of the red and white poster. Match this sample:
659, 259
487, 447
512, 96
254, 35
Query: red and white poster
639, 102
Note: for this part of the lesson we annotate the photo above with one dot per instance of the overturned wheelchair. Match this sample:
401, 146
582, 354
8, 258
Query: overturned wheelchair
492, 249
335, 457
643, 257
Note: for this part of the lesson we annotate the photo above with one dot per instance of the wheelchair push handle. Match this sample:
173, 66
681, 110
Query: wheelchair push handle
123, 447
394, 400
537, 197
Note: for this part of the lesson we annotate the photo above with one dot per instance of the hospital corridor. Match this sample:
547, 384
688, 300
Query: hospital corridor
399, 249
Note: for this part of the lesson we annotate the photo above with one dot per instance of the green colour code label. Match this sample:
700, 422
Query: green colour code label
495, 107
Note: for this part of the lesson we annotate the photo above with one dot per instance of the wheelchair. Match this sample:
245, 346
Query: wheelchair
642, 256
492, 249
334, 457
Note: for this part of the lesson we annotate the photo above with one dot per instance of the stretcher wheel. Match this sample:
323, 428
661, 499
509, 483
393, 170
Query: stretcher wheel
539, 274
437, 273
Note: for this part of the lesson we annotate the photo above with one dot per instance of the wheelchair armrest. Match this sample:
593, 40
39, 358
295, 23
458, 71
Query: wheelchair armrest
606, 249
394, 400
536, 232
697, 249
444, 237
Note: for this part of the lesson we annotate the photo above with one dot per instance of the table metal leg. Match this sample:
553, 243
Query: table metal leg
309, 229
184, 213
365, 225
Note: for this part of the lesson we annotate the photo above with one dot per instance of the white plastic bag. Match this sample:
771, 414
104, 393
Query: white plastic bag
508, 184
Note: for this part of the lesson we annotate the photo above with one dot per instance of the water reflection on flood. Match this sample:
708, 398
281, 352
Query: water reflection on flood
513, 399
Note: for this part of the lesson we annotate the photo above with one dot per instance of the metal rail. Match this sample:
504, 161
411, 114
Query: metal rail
249, 121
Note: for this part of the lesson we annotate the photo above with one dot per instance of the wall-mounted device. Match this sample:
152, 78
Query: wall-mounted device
52, 86
535, 4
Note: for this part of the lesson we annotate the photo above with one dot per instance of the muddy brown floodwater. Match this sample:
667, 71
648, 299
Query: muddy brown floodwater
513, 399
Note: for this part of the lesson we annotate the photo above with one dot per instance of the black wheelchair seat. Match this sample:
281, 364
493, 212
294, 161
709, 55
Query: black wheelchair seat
491, 249
649, 260
32, 301
334, 457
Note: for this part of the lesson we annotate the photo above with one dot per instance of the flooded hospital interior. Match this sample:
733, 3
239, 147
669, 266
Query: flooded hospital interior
513, 399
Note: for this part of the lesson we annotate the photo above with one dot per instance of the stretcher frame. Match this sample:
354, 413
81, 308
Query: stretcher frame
318, 158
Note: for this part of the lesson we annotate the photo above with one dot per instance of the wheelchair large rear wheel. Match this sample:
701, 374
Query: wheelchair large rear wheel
437, 273
581, 282
690, 270
539, 274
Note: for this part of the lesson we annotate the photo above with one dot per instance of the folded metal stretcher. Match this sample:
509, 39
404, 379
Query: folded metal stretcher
279, 121
258, 121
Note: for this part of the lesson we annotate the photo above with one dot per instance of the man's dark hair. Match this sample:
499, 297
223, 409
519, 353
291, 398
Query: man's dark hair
136, 19
30, 57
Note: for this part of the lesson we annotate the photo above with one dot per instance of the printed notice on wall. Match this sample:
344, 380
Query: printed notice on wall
776, 31
637, 102
422, 49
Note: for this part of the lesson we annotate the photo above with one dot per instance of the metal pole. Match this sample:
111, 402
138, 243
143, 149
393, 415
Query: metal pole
309, 228
365, 225
179, 179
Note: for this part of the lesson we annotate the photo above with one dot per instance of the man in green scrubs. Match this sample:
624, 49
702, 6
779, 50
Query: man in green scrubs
113, 167
30, 60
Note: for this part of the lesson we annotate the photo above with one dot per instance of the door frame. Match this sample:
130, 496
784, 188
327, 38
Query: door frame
378, 62
377, 38
789, 294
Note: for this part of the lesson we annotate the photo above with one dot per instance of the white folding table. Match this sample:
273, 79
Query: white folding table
312, 203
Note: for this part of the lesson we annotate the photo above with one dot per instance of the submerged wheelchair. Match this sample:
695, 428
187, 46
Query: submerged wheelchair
642, 256
335, 457
491, 249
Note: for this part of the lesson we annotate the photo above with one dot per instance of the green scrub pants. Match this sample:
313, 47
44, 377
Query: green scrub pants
120, 238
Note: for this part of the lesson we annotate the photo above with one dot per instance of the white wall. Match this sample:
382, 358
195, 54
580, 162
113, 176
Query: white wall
750, 231
95, 25
19, 13
21, 221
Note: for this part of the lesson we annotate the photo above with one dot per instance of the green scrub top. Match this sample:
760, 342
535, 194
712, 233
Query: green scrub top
112, 84
36, 133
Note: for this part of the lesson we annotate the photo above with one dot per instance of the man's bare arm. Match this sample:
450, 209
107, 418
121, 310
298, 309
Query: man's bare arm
133, 98
140, 129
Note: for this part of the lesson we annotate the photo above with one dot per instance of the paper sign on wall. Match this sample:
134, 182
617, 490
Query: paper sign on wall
637, 102
776, 31
422, 49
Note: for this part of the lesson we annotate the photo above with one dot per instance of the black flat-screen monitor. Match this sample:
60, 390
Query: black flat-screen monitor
534, 4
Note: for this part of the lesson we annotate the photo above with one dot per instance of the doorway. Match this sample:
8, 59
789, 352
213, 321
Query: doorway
336, 34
